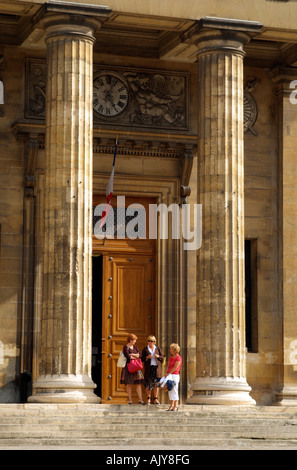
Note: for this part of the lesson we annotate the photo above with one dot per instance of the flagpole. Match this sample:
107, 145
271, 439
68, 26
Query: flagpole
109, 190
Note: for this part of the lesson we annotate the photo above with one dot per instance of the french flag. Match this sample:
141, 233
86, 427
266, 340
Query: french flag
109, 189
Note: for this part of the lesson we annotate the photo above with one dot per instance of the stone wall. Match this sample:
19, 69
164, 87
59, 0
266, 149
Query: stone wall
11, 222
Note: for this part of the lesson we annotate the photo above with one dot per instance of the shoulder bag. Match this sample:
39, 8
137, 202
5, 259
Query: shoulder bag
134, 365
122, 360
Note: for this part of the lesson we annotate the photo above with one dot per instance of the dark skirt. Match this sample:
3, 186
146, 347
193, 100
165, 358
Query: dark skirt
131, 379
153, 380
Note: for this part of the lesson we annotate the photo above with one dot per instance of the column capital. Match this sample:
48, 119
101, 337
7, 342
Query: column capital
72, 19
222, 35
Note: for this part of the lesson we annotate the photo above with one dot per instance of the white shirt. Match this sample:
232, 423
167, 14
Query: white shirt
153, 359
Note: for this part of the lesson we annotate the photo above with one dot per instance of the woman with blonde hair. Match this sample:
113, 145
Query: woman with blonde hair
131, 351
174, 366
152, 357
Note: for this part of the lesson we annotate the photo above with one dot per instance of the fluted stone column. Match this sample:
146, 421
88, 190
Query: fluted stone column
221, 374
65, 325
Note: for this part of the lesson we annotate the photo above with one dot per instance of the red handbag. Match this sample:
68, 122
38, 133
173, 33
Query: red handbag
134, 365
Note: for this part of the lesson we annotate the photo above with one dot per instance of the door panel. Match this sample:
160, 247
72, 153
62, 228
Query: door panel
128, 306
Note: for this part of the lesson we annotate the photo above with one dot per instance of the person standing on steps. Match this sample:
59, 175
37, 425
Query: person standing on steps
131, 351
152, 357
174, 366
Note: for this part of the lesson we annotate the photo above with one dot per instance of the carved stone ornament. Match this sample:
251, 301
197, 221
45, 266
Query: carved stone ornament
122, 96
149, 99
35, 88
250, 109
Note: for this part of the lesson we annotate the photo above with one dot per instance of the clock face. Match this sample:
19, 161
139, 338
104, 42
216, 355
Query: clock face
110, 94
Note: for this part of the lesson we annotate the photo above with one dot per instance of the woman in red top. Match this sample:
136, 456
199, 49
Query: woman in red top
174, 368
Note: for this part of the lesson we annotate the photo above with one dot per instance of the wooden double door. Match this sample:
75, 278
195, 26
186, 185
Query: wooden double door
127, 307
123, 302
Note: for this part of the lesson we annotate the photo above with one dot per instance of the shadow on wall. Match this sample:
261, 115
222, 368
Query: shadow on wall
12, 391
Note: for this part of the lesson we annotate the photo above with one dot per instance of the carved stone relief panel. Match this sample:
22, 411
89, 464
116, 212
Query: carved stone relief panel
141, 98
125, 97
35, 88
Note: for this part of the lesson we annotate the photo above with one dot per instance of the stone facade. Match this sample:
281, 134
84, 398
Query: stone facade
211, 108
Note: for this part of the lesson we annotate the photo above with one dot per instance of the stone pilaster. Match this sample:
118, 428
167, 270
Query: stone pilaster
286, 112
221, 375
65, 324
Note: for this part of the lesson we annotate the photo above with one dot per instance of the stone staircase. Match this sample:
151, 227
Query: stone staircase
29, 426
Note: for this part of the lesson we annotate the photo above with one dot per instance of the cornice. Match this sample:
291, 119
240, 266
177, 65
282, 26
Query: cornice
130, 143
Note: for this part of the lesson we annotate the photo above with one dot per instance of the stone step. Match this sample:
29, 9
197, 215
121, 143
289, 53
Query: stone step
145, 444
101, 425
140, 412
122, 421
54, 423
95, 435
114, 428
113, 431
213, 409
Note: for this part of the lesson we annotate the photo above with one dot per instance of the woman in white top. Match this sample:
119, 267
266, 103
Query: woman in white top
152, 357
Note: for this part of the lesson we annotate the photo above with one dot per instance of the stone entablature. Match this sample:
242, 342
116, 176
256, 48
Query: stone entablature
153, 99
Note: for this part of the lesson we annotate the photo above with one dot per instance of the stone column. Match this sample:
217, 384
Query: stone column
286, 106
221, 374
65, 324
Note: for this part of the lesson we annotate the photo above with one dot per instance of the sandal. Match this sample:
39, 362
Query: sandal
156, 401
148, 400
130, 403
175, 409
170, 409
141, 402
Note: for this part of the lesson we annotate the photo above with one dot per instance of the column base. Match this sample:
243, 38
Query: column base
64, 389
221, 391
286, 396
